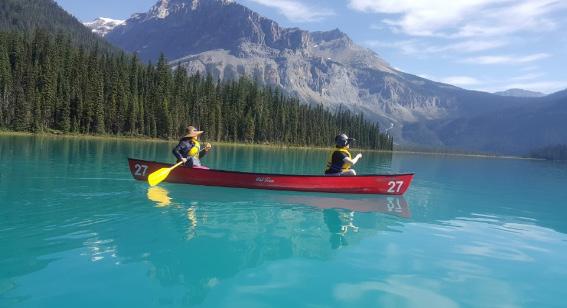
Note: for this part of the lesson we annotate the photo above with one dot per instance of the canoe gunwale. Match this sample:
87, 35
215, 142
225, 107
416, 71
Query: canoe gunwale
166, 165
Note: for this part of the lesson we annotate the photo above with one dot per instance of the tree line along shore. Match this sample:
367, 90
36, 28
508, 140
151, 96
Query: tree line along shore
48, 83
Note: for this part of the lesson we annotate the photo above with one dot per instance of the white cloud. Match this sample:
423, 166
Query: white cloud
470, 46
507, 59
520, 16
377, 27
407, 47
461, 81
415, 46
463, 18
526, 82
480, 32
530, 68
528, 76
296, 11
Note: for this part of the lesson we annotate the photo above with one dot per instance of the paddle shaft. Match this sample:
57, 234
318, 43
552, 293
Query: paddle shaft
176, 165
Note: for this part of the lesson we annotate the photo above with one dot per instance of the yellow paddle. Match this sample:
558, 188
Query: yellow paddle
157, 177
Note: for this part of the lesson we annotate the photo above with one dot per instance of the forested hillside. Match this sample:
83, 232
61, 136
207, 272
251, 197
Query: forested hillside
28, 15
46, 83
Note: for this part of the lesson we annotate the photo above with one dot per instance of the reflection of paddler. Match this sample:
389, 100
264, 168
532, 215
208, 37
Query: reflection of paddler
159, 195
338, 224
192, 217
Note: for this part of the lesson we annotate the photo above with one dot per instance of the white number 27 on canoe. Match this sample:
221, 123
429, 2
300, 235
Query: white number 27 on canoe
141, 170
395, 186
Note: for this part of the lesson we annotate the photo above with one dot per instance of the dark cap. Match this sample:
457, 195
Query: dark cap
343, 140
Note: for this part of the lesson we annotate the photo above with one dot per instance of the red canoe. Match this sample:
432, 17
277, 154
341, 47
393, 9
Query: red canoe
384, 184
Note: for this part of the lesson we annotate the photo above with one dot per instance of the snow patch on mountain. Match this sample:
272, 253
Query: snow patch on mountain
102, 25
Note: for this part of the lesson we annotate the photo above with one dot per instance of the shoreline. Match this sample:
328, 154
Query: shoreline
277, 146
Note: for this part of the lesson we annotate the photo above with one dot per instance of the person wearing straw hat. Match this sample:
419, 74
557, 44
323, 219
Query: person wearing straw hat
189, 148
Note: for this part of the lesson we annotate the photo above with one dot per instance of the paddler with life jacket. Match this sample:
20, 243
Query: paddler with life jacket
189, 148
341, 161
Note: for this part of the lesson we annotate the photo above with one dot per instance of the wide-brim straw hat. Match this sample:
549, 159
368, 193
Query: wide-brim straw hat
193, 132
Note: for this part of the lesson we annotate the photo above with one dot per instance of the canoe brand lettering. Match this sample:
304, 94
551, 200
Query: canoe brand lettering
141, 170
262, 179
395, 186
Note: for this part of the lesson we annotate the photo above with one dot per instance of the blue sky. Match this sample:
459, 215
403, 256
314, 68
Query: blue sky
487, 45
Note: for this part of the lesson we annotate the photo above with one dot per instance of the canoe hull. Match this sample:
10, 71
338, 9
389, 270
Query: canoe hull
388, 184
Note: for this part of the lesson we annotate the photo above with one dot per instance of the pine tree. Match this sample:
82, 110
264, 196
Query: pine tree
249, 129
5, 83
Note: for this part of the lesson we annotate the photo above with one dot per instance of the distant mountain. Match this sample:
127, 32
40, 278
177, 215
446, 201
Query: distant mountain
551, 152
519, 93
28, 15
228, 40
517, 130
102, 26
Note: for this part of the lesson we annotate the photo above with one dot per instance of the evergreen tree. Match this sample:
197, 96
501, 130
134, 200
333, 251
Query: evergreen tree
5, 84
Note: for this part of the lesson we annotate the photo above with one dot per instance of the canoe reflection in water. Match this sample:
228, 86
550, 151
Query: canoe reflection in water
338, 211
392, 205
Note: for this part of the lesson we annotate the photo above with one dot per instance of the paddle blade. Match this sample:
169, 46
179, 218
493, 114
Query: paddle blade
158, 176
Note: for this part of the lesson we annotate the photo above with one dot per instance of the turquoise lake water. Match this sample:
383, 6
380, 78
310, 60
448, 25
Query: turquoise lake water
77, 231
